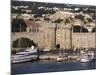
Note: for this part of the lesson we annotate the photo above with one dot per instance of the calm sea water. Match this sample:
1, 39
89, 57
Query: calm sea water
50, 66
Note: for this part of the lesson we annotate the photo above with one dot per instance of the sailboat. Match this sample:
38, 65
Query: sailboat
61, 57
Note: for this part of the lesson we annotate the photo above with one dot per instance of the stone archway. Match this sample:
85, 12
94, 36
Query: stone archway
23, 43
58, 46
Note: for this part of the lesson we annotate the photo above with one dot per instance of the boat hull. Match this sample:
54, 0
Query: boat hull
24, 59
59, 59
84, 60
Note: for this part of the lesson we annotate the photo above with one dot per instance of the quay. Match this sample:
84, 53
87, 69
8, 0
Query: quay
54, 57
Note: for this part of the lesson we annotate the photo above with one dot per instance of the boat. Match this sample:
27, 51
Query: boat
87, 57
61, 57
84, 58
91, 56
85, 54
27, 55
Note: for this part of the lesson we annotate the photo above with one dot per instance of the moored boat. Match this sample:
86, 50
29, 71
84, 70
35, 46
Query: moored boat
27, 55
87, 57
84, 58
60, 58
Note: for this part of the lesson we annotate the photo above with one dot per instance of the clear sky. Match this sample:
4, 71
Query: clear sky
86, 2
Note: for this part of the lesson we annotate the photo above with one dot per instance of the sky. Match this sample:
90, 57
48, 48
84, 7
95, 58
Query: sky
83, 2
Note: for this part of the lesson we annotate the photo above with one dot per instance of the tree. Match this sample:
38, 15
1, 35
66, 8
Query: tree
66, 21
52, 11
37, 15
58, 20
80, 17
47, 19
89, 19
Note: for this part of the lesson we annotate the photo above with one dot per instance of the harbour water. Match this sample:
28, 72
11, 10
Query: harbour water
50, 66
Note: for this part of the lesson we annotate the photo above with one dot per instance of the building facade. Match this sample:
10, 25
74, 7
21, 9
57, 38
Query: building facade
48, 34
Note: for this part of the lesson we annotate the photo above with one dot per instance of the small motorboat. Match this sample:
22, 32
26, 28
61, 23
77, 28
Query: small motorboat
87, 57
27, 55
60, 58
84, 58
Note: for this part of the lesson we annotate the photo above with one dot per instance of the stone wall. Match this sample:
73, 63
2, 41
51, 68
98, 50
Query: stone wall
63, 38
35, 36
84, 40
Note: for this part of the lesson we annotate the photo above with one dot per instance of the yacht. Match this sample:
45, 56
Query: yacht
27, 55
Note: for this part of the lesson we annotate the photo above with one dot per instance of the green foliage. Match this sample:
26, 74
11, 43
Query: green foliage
67, 21
81, 17
58, 21
37, 15
89, 19
47, 19
52, 12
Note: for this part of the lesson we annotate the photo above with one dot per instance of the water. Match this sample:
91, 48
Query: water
50, 66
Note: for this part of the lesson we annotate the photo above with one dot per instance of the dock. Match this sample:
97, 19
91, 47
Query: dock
53, 57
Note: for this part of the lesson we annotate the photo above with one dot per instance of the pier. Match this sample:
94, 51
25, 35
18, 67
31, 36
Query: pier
54, 57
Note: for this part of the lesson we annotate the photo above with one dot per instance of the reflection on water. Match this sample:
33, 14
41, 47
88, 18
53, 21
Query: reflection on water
50, 66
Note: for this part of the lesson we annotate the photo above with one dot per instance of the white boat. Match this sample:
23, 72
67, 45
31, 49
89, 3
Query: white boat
61, 57
87, 57
27, 55
84, 58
